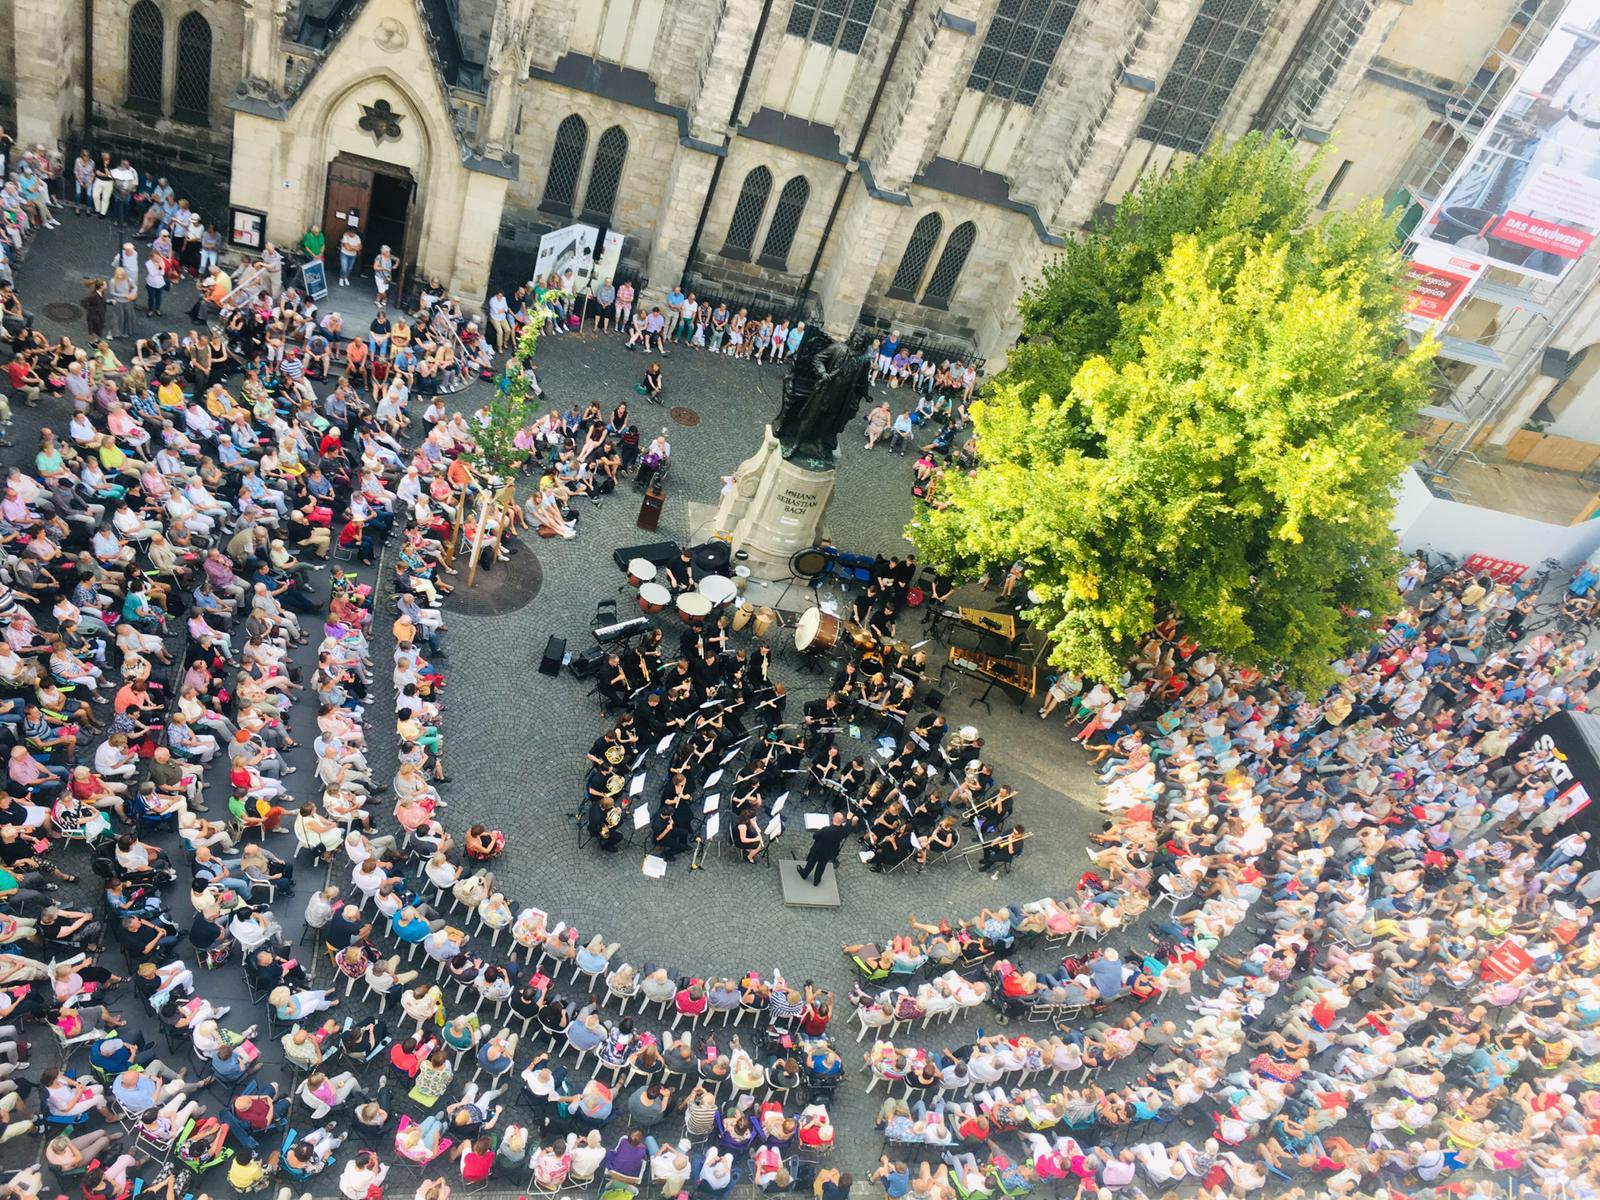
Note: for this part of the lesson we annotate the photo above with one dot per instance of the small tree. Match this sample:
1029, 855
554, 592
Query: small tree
1213, 428
498, 453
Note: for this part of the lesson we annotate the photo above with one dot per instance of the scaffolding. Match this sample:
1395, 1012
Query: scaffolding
1493, 347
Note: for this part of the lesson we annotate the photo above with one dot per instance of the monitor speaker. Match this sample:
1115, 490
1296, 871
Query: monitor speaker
554, 651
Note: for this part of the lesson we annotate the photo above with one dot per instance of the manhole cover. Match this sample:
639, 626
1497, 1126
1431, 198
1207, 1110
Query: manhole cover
63, 312
685, 416
500, 588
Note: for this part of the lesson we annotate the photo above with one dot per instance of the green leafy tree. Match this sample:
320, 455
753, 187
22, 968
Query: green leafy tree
1209, 416
509, 410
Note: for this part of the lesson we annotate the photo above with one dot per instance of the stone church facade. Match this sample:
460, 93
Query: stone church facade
874, 163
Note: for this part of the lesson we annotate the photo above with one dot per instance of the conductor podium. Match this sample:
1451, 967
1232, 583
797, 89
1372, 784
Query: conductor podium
802, 893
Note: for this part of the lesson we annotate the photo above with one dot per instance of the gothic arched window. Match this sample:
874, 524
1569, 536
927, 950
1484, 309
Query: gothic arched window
786, 216
191, 90
914, 261
947, 273
747, 213
605, 177
146, 50
566, 160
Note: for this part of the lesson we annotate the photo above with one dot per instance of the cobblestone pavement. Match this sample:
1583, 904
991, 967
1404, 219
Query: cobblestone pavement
516, 738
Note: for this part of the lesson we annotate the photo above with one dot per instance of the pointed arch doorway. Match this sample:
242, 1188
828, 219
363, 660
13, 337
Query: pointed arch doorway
379, 201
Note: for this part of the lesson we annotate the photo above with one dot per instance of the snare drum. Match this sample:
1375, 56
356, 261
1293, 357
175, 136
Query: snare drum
718, 589
653, 598
766, 618
693, 609
742, 613
640, 570
817, 632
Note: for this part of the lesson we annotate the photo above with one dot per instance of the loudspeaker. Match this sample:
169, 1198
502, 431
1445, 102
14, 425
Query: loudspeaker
934, 699
554, 651
711, 558
586, 663
659, 553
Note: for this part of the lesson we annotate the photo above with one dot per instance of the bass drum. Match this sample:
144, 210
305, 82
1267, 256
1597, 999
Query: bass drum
817, 632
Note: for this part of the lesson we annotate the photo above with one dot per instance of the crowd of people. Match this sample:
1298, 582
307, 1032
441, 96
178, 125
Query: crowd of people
1306, 891
161, 641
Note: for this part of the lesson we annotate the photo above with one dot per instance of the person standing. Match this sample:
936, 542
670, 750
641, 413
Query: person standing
120, 295
124, 182
349, 250
155, 282
383, 268
82, 182
94, 309
272, 262
100, 193
825, 846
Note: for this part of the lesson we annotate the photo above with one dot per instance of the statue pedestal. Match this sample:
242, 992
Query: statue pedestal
775, 509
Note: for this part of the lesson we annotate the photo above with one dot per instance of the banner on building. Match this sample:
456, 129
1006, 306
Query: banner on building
1567, 746
569, 254
1527, 195
1438, 278
610, 257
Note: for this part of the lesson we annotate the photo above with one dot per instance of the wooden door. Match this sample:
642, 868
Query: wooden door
408, 252
349, 190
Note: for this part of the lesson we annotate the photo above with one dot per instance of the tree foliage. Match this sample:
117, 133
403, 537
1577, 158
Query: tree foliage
1208, 416
508, 414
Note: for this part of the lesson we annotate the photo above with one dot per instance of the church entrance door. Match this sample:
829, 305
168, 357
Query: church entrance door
377, 200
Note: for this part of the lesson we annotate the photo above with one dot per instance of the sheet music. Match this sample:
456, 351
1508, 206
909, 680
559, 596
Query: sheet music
777, 805
653, 867
774, 826
711, 779
641, 817
711, 804
729, 756
713, 824
637, 785
817, 820
665, 743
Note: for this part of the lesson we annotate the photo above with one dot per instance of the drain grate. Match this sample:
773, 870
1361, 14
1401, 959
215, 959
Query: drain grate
685, 416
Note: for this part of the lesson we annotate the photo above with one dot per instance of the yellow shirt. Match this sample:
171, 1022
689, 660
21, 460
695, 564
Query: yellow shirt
170, 395
244, 1176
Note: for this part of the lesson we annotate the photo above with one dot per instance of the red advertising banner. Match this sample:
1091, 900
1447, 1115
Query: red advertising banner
1541, 234
1437, 281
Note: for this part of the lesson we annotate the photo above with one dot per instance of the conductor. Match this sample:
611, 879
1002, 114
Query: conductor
825, 846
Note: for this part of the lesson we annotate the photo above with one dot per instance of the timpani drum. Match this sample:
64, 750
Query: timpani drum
742, 614
766, 618
653, 598
693, 609
817, 632
640, 570
718, 590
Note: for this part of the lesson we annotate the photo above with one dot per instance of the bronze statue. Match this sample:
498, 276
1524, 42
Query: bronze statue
825, 385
